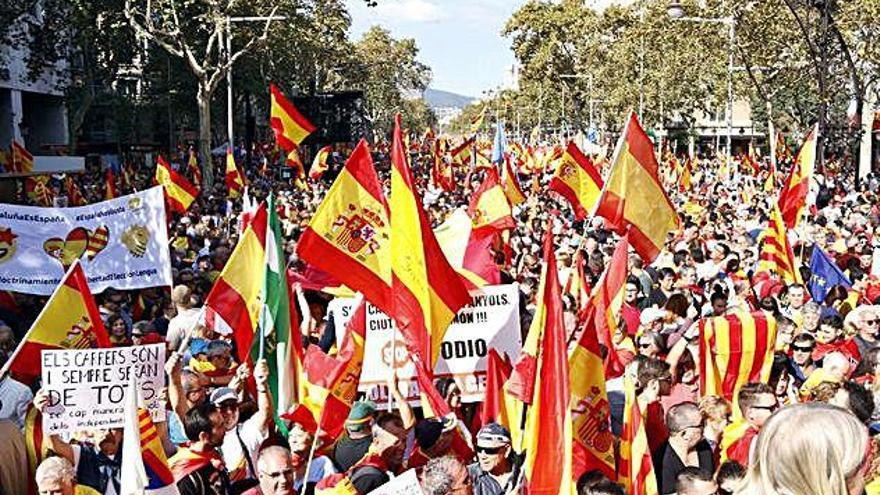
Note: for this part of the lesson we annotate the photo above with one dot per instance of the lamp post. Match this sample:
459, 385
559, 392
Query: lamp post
676, 12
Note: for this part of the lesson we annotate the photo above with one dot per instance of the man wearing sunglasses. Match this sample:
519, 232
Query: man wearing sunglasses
867, 323
801, 364
757, 401
492, 474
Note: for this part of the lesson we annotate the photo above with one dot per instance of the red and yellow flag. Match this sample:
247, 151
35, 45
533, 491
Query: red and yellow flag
578, 181
427, 292
349, 235
234, 180
289, 126
635, 469
489, 209
776, 256
194, 170
494, 409
74, 193
633, 200
512, 188
321, 163
685, 180
35, 443
469, 252
770, 181
22, 160
793, 196
37, 189
548, 433
69, 320
109, 185
477, 121
179, 192
461, 154
735, 349
605, 305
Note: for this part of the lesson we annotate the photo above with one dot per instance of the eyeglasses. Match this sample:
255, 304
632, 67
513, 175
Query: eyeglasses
767, 408
872, 322
644, 345
287, 473
489, 450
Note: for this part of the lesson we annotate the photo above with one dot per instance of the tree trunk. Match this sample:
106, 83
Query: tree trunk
203, 100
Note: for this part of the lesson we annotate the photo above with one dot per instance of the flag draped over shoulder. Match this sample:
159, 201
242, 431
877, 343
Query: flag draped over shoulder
735, 349
179, 192
548, 433
35, 443
234, 180
635, 469
69, 320
793, 196
578, 181
234, 304
289, 126
349, 235
489, 208
825, 275
426, 290
632, 199
776, 255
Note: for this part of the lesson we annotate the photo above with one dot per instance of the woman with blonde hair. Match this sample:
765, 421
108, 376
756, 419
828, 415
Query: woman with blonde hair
809, 449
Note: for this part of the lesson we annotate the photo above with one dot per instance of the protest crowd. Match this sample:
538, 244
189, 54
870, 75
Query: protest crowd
702, 326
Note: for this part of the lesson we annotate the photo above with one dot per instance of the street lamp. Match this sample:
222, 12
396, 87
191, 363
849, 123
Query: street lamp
676, 12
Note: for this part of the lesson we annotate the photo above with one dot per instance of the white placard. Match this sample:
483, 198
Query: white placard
122, 243
405, 484
491, 321
87, 387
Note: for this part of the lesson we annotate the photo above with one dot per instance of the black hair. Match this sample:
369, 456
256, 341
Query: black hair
688, 476
832, 321
860, 401
198, 420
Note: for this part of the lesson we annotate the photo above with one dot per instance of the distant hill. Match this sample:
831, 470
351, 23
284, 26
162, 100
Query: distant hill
444, 99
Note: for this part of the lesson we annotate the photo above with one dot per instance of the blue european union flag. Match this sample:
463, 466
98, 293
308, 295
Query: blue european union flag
826, 275
500, 144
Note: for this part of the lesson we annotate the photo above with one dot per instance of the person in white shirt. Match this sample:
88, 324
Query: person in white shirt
14, 397
187, 317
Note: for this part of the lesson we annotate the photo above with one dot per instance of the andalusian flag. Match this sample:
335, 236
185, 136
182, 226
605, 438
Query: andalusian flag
234, 305
234, 180
289, 126
548, 433
776, 256
578, 181
633, 200
489, 209
321, 162
635, 469
349, 235
109, 185
144, 464
69, 320
426, 290
22, 160
510, 182
179, 192
793, 196
735, 349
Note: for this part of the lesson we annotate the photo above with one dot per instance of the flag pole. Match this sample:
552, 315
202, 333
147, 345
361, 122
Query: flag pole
313, 449
390, 405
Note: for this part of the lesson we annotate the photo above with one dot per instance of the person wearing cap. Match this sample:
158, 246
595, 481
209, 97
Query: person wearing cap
300, 437
492, 474
353, 444
243, 439
434, 437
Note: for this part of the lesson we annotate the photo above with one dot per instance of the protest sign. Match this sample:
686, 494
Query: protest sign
491, 321
87, 387
405, 484
122, 243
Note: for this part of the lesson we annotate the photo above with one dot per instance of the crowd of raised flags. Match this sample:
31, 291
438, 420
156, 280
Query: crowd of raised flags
414, 222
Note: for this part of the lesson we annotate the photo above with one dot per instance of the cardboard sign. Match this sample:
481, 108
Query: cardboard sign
491, 321
87, 388
405, 484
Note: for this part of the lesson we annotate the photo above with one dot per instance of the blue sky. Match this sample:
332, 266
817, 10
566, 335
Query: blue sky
459, 39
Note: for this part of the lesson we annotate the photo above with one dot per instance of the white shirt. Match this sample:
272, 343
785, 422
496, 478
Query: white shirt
180, 326
14, 400
252, 437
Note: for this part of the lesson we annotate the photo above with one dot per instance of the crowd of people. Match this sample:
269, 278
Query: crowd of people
809, 429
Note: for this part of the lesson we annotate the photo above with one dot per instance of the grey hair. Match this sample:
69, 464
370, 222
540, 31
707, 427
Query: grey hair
55, 468
437, 476
272, 450
679, 415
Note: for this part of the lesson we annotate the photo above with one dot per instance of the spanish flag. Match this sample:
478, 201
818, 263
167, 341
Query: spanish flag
289, 126
512, 188
194, 170
74, 193
635, 469
469, 252
548, 433
235, 302
179, 192
426, 290
685, 183
793, 196
22, 160
593, 440
577, 180
69, 320
461, 154
321, 163
234, 180
493, 409
349, 235
605, 304
633, 200
109, 185
776, 255
477, 121
489, 208
770, 181
735, 349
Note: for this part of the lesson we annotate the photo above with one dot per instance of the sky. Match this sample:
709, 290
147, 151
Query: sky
459, 39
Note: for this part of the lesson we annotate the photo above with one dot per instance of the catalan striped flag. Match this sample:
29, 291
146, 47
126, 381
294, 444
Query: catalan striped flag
793, 196
635, 469
35, 443
349, 235
548, 433
578, 181
22, 160
144, 464
489, 208
37, 189
783, 153
289, 126
776, 256
426, 290
194, 171
179, 192
735, 349
234, 181
109, 185
593, 440
321, 163
69, 320
633, 200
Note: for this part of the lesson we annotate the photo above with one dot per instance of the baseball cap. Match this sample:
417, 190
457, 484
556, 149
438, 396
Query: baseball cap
493, 435
360, 415
223, 394
428, 431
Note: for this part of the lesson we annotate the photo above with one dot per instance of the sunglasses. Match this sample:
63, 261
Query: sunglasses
489, 450
644, 345
797, 348
871, 322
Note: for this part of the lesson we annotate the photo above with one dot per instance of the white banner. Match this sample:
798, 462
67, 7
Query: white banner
405, 484
491, 321
87, 387
122, 243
